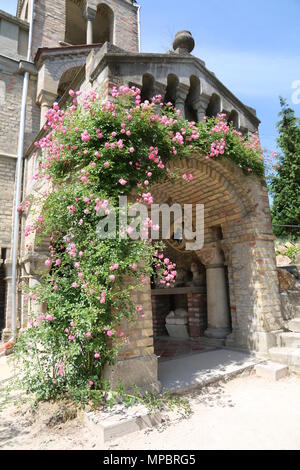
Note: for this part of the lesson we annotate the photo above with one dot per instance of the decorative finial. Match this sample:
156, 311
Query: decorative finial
183, 43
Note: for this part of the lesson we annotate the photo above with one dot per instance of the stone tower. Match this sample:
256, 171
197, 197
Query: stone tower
78, 22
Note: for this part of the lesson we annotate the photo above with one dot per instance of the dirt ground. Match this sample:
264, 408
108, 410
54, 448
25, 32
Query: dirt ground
245, 413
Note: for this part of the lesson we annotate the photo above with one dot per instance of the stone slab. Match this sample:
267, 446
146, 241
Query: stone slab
290, 340
120, 421
177, 331
6, 372
271, 371
294, 325
287, 356
198, 370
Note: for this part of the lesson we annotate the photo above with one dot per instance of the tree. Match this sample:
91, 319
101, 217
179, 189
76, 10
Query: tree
285, 185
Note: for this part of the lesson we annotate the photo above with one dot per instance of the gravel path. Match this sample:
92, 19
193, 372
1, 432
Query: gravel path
245, 413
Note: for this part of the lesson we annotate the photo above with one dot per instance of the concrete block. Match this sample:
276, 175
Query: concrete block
177, 331
140, 371
294, 325
121, 421
290, 340
271, 371
287, 356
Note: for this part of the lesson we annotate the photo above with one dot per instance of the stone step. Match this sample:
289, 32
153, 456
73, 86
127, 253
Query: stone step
287, 356
294, 325
294, 296
271, 370
289, 340
297, 309
211, 342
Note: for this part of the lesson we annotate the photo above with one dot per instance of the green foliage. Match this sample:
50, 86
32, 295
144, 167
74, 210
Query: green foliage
285, 186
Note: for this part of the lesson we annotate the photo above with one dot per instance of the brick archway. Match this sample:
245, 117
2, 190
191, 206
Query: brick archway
238, 204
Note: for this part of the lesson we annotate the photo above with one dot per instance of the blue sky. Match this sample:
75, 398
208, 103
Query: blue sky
253, 47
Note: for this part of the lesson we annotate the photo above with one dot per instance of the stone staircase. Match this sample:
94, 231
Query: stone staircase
288, 343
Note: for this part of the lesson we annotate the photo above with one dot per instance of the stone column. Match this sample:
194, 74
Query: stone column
33, 267
24, 281
200, 105
45, 100
90, 15
136, 363
181, 95
159, 89
6, 334
218, 317
197, 313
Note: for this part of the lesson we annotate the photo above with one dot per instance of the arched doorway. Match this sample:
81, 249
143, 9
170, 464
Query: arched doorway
215, 304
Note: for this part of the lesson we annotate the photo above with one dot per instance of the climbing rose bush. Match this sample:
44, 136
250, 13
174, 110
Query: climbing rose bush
92, 153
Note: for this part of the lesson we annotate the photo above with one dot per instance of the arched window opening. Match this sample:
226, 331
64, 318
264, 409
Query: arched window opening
103, 29
26, 12
171, 91
75, 23
191, 113
147, 88
214, 106
66, 80
234, 119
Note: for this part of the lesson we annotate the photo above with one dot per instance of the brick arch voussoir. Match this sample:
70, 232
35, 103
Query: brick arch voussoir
225, 174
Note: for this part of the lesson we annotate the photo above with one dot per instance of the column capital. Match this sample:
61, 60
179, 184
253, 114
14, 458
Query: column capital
182, 93
89, 13
200, 104
34, 264
46, 98
7, 268
160, 88
211, 256
227, 250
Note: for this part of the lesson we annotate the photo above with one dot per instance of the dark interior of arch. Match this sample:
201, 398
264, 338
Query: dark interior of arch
103, 25
75, 23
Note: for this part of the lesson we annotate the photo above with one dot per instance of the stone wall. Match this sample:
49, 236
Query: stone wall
13, 36
7, 181
49, 24
137, 364
10, 110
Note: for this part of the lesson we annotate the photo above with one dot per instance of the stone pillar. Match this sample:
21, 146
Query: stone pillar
197, 314
24, 281
90, 15
45, 100
6, 334
182, 93
200, 105
136, 364
33, 267
159, 89
218, 317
